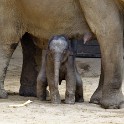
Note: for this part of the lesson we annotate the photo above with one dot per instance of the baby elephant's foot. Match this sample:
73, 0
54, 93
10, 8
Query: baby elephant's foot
56, 99
70, 98
42, 95
3, 94
79, 97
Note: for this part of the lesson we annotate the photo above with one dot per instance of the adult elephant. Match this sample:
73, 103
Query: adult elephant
42, 19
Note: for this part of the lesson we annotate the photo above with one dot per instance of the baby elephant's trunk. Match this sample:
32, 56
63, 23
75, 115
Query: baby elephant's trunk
56, 71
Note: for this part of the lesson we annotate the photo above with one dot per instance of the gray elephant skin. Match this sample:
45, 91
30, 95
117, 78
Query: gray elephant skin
58, 63
44, 18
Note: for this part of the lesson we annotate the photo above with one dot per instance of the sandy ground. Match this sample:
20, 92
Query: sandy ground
46, 113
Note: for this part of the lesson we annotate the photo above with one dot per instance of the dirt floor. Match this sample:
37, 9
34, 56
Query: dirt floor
46, 113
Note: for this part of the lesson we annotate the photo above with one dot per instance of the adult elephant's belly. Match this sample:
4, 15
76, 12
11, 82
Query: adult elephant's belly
121, 0
45, 18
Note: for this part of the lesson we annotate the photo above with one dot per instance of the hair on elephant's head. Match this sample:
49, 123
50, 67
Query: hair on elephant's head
59, 48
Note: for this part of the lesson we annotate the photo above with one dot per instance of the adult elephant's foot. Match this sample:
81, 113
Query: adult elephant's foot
27, 91
96, 97
3, 94
112, 101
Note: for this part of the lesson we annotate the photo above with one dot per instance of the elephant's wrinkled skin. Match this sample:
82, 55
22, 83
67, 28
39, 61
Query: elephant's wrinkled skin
45, 18
58, 64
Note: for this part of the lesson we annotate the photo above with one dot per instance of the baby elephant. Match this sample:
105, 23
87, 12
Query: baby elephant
58, 63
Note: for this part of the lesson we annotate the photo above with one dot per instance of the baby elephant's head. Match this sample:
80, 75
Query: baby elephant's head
59, 48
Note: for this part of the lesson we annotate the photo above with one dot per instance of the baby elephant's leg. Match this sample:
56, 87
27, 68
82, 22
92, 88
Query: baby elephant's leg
41, 87
42, 80
79, 87
70, 82
54, 92
53, 81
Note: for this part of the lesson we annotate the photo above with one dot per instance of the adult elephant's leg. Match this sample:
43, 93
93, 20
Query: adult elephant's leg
29, 67
7, 47
104, 19
42, 79
112, 96
96, 97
